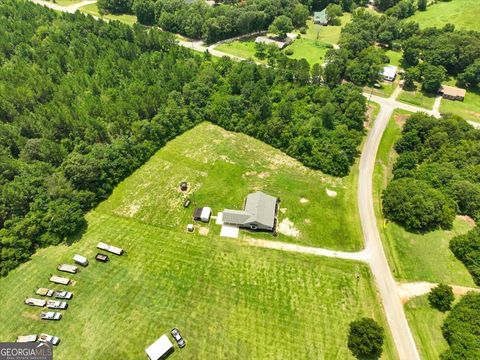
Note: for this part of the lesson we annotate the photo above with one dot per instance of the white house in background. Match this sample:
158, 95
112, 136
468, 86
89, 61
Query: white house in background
160, 349
389, 72
267, 41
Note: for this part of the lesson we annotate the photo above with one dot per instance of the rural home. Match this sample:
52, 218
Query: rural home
452, 92
320, 17
259, 213
160, 349
267, 41
389, 72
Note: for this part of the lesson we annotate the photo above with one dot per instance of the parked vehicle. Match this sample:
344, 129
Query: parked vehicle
72, 269
44, 292
35, 302
26, 338
50, 338
66, 295
55, 304
178, 338
50, 315
80, 260
101, 257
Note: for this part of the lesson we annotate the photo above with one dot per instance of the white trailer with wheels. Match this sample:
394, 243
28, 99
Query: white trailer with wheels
160, 349
113, 249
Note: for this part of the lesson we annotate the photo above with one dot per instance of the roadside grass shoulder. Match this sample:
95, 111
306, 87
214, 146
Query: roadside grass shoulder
92, 9
414, 257
417, 98
426, 323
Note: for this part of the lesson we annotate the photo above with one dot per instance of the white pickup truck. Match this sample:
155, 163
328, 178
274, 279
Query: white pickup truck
50, 338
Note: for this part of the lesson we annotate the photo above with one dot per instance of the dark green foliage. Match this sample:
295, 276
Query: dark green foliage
145, 11
281, 26
422, 5
417, 206
461, 329
441, 297
84, 103
441, 158
467, 249
115, 6
365, 338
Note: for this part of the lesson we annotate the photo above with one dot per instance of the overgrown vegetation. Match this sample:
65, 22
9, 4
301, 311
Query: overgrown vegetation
436, 174
467, 249
462, 329
441, 297
84, 103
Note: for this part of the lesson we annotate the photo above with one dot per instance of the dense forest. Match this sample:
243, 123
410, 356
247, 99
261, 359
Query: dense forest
83, 103
462, 330
436, 175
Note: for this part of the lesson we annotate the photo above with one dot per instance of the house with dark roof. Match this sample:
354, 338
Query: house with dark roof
259, 213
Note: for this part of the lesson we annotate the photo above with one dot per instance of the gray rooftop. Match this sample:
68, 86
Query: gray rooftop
259, 207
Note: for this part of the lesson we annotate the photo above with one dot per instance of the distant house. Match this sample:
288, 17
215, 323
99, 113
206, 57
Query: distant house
259, 213
389, 72
452, 92
160, 349
320, 17
268, 41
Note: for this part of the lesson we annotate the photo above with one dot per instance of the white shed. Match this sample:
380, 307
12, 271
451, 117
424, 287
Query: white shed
81, 260
205, 215
160, 349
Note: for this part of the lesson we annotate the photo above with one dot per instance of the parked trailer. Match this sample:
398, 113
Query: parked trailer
26, 338
59, 280
113, 249
80, 260
44, 292
35, 302
72, 269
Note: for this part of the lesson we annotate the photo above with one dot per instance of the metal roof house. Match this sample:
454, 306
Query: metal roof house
452, 92
320, 17
389, 72
259, 213
160, 349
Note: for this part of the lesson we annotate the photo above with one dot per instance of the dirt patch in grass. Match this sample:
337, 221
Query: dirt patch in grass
467, 219
303, 200
203, 230
30, 316
400, 119
286, 227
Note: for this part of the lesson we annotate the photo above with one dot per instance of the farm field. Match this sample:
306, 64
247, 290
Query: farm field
469, 108
219, 292
92, 9
426, 323
462, 13
415, 257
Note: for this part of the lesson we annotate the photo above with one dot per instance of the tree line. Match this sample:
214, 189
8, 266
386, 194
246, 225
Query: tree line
83, 103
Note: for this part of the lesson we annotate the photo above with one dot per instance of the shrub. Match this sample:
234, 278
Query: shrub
365, 338
441, 297
288, 52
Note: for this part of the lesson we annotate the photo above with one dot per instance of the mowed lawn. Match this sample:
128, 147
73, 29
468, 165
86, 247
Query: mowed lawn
414, 257
417, 98
469, 108
222, 168
462, 13
426, 325
229, 299
92, 9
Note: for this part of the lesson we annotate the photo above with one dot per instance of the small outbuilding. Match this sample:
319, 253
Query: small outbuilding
190, 228
184, 186
80, 260
452, 92
202, 214
160, 349
320, 17
389, 72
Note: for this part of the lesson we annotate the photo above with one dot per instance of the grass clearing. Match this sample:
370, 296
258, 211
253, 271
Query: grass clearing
244, 48
469, 108
417, 98
223, 168
414, 257
462, 13
395, 57
386, 88
220, 293
426, 323
92, 9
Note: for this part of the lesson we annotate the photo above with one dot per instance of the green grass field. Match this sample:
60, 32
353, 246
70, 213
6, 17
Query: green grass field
462, 13
229, 299
414, 257
417, 98
311, 46
395, 57
469, 108
92, 9
425, 323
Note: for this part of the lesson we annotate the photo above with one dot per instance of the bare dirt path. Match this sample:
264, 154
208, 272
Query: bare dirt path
407, 291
